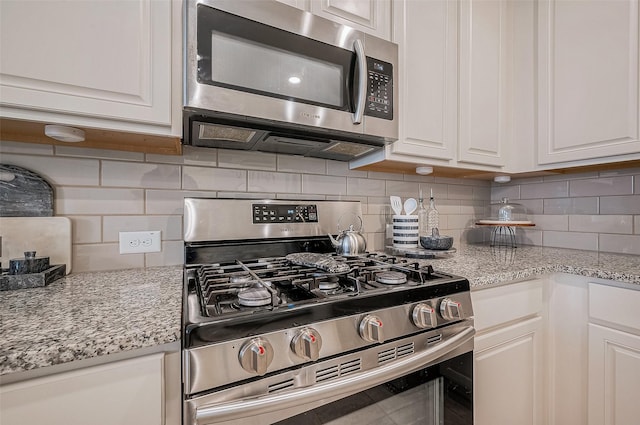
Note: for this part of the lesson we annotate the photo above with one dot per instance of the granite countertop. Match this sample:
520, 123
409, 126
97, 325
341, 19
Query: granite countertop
87, 315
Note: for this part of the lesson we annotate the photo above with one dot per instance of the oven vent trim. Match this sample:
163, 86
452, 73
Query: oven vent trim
405, 350
387, 355
280, 386
337, 371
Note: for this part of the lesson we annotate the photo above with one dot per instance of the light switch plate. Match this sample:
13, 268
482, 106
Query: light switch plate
139, 242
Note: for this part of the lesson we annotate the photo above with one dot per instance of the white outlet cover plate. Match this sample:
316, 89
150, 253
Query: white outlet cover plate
139, 242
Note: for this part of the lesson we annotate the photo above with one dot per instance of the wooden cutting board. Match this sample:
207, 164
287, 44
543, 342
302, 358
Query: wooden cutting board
48, 236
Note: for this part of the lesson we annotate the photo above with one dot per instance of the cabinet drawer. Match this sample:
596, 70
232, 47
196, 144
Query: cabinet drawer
503, 304
615, 305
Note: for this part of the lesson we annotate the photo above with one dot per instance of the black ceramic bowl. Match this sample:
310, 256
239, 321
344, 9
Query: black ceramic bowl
436, 242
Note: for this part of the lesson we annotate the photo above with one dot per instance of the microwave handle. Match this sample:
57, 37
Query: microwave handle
361, 61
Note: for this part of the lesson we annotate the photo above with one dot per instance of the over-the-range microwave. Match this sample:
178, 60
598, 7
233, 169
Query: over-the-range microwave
262, 75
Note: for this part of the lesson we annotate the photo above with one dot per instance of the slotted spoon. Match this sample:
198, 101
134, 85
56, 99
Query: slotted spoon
396, 204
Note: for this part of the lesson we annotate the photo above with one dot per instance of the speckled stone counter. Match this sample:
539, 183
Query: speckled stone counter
484, 265
86, 315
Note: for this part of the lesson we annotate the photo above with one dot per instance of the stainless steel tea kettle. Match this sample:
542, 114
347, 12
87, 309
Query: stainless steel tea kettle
350, 242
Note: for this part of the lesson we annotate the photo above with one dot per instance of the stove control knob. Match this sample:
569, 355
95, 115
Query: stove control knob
424, 316
371, 329
307, 344
256, 356
450, 310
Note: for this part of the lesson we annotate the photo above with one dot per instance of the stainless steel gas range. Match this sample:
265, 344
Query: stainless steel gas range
277, 329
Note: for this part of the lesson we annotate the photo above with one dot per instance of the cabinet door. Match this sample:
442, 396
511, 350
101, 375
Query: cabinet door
106, 60
614, 376
484, 81
373, 17
509, 375
426, 33
121, 393
587, 79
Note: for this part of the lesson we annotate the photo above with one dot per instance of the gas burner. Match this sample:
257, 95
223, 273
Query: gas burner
254, 297
391, 278
329, 284
240, 278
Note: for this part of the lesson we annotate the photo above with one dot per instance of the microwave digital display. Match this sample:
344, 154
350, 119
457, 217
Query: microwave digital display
380, 89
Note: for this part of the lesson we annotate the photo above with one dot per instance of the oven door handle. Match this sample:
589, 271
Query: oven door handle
253, 406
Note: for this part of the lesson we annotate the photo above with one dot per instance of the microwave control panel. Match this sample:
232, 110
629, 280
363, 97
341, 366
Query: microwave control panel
379, 89
268, 213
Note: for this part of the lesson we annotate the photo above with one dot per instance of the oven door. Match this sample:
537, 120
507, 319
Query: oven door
409, 381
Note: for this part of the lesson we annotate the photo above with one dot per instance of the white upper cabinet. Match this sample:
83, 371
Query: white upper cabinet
102, 64
587, 79
426, 33
370, 16
485, 51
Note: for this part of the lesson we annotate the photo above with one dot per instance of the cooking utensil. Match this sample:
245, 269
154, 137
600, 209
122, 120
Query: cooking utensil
396, 204
410, 206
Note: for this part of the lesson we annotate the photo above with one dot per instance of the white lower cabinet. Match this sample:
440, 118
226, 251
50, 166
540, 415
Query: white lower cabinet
132, 391
614, 355
508, 354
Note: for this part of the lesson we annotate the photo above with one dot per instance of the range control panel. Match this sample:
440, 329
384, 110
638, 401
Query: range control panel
379, 89
293, 213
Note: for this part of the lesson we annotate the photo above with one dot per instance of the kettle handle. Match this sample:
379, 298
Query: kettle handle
340, 230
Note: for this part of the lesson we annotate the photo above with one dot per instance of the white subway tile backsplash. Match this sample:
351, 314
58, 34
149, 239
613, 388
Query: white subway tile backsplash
384, 176
172, 254
324, 185
169, 225
619, 204
559, 189
79, 152
86, 229
481, 193
266, 181
402, 188
301, 164
573, 176
510, 192
459, 192
603, 186
294, 196
636, 224
59, 171
204, 157
636, 185
571, 240
571, 206
25, 148
620, 172
529, 236
247, 195
550, 222
365, 187
145, 175
248, 160
601, 223
170, 202
100, 257
623, 244
373, 223
418, 178
203, 178
98, 201
531, 206
341, 168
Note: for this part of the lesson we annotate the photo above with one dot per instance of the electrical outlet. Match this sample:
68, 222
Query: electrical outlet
137, 242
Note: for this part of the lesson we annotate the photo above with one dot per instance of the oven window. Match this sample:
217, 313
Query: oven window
245, 55
438, 395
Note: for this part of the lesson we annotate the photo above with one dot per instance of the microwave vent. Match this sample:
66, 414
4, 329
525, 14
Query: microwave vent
350, 149
231, 134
